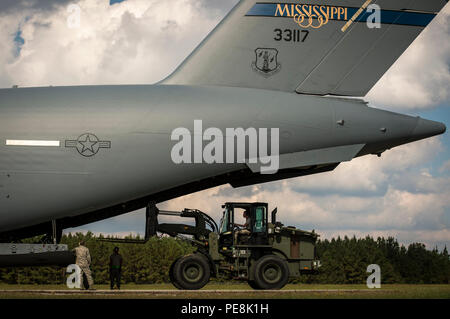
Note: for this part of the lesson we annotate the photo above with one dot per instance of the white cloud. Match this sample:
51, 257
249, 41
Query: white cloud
370, 174
395, 213
134, 42
421, 77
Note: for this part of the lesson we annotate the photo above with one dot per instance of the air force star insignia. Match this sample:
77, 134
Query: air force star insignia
87, 144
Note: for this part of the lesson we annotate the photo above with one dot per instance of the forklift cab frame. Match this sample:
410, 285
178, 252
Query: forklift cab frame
258, 213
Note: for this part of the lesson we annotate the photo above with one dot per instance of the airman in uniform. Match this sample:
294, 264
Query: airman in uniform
115, 268
245, 227
83, 261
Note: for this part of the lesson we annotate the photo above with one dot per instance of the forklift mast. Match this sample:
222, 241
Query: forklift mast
204, 224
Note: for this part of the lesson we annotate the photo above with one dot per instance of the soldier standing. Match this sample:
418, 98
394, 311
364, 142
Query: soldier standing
84, 261
115, 267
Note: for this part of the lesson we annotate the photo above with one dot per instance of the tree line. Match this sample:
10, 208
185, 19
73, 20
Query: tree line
344, 261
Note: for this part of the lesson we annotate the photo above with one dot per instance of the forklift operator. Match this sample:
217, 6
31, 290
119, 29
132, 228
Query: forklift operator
246, 227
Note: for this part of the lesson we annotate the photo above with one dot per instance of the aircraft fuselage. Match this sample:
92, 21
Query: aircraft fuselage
111, 145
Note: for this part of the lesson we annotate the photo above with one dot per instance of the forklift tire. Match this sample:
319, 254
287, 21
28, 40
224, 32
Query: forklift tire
271, 272
253, 285
171, 276
191, 272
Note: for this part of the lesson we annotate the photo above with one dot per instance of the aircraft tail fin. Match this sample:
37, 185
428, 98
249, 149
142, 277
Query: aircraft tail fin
322, 47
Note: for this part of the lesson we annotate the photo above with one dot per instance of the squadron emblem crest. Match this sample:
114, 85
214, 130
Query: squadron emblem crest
266, 62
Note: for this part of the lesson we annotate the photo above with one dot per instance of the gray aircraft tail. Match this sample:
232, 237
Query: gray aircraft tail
313, 47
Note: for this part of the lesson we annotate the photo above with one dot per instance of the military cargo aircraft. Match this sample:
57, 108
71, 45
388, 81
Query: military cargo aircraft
70, 156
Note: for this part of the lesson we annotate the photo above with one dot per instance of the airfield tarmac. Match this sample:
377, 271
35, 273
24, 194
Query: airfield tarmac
232, 291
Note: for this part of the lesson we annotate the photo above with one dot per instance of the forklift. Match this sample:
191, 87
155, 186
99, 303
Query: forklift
266, 254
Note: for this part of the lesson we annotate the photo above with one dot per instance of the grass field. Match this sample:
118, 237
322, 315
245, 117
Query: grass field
231, 291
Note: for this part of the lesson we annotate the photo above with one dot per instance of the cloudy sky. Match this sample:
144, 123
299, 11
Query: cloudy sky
405, 193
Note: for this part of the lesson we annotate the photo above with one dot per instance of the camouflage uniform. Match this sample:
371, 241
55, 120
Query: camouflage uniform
83, 261
245, 231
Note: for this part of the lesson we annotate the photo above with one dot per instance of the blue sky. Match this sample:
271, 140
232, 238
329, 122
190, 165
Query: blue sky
405, 193
111, 2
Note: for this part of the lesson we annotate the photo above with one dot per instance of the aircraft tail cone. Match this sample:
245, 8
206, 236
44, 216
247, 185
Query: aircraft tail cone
427, 128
